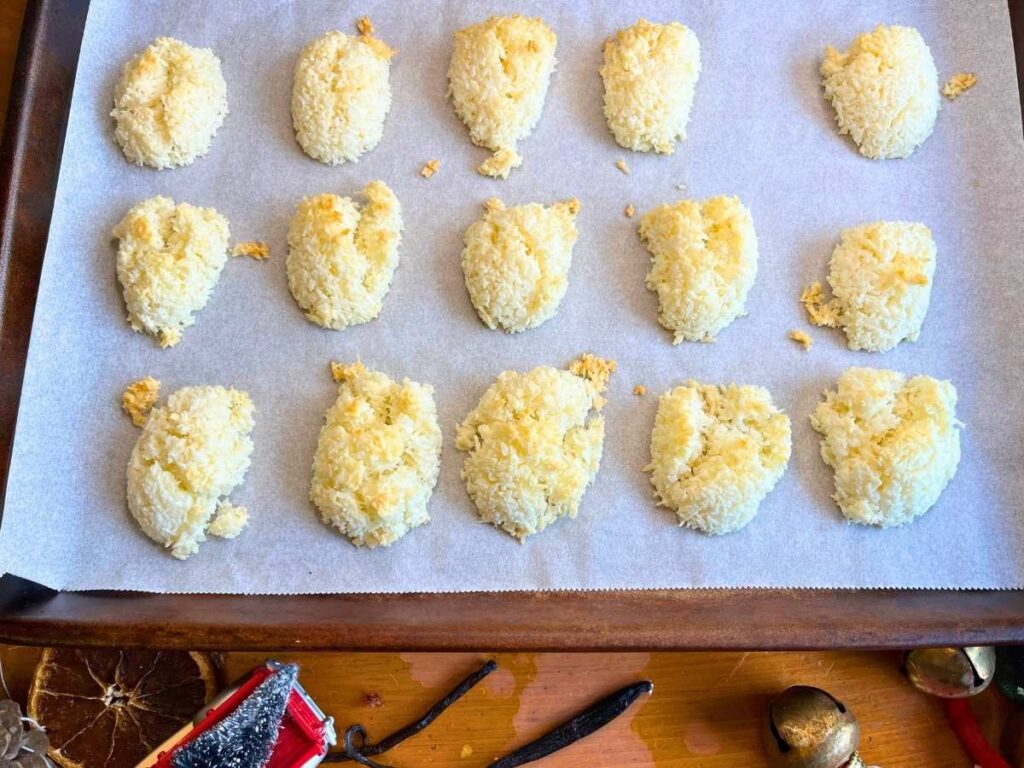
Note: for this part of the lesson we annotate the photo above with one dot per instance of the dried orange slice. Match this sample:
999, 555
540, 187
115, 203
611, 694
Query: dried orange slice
112, 708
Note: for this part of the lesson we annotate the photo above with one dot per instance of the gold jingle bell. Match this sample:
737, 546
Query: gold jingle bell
951, 673
808, 728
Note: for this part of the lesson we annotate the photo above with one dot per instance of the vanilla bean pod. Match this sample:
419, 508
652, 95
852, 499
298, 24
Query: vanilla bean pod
582, 725
362, 752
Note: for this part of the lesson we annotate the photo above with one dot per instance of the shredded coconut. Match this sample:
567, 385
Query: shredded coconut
881, 279
532, 447
229, 520
704, 261
169, 258
893, 443
138, 399
341, 95
498, 79
650, 72
377, 458
958, 83
430, 168
516, 262
716, 452
255, 249
192, 452
885, 91
342, 256
801, 338
169, 103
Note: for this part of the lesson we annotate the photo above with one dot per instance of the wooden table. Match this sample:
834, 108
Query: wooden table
705, 711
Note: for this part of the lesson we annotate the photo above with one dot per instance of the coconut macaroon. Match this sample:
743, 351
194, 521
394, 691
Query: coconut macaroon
650, 72
716, 452
192, 453
532, 446
703, 262
342, 256
516, 262
169, 103
881, 279
885, 91
497, 79
341, 95
893, 443
169, 258
378, 456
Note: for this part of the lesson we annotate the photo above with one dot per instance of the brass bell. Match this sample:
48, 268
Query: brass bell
951, 673
808, 728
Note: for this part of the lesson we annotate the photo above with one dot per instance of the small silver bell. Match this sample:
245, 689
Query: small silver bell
808, 728
951, 673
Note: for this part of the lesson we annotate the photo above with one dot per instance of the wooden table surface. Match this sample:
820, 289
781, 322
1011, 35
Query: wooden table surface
706, 709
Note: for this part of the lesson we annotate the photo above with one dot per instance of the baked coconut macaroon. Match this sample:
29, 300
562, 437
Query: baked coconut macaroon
169, 103
497, 79
378, 456
881, 280
341, 95
533, 446
703, 263
169, 259
650, 73
342, 256
893, 443
192, 453
516, 262
716, 452
885, 91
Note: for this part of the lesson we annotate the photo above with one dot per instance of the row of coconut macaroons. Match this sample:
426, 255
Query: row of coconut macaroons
172, 98
533, 445
516, 262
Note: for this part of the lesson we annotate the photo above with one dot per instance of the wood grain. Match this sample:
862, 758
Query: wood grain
705, 711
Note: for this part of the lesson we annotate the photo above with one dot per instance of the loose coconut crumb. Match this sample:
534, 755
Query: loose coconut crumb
639, 390
630, 211
373, 700
801, 338
467, 751
621, 165
229, 520
138, 399
430, 168
364, 26
255, 249
597, 370
819, 310
958, 84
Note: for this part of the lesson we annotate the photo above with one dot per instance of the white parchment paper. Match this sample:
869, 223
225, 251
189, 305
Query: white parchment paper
760, 129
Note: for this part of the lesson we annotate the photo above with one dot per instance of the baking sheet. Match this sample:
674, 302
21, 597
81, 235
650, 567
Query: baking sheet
760, 129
